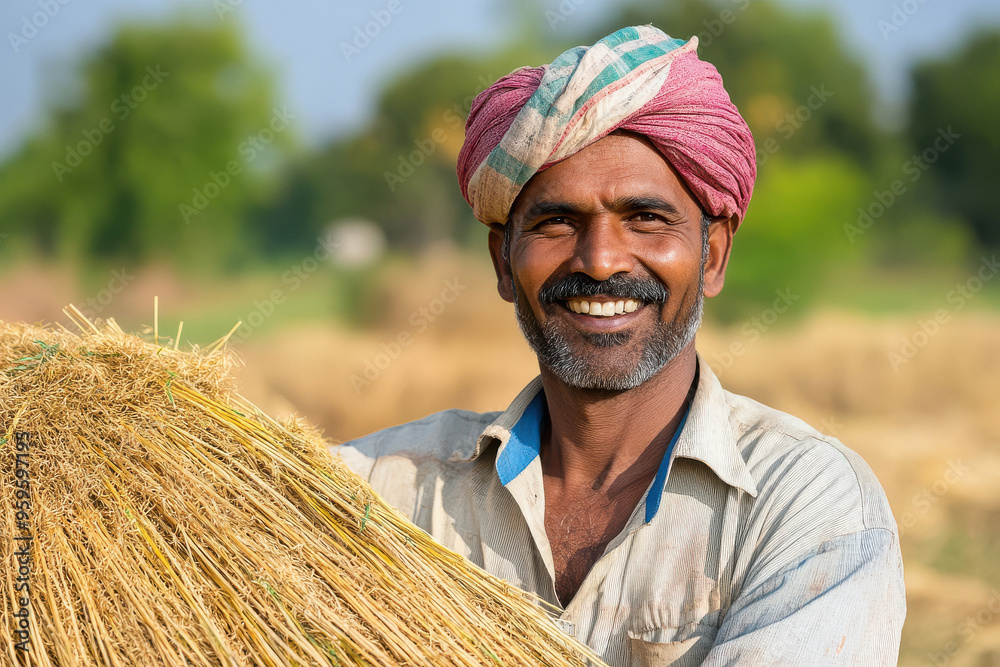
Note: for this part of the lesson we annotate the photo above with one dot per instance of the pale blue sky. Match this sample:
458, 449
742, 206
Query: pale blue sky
330, 95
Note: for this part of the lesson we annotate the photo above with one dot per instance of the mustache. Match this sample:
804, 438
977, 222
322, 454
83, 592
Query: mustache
618, 286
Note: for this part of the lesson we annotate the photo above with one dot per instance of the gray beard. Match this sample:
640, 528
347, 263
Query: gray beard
577, 370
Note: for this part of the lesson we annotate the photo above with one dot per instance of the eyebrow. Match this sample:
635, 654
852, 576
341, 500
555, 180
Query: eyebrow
543, 208
622, 205
638, 203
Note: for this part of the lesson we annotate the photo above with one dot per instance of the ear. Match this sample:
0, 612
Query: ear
720, 243
505, 279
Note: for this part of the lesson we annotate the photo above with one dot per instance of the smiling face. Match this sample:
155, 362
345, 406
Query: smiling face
608, 263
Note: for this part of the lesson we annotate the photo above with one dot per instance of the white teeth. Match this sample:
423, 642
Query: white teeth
603, 309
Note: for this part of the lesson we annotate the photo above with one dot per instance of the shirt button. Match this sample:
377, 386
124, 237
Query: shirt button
567, 626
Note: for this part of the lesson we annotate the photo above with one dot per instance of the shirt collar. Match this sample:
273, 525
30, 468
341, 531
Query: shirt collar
710, 436
525, 441
499, 431
705, 434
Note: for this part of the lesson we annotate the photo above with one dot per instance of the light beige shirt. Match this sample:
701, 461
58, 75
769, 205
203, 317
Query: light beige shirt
771, 544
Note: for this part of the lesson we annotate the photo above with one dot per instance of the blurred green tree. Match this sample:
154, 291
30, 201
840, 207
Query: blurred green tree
954, 134
793, 236
171, 132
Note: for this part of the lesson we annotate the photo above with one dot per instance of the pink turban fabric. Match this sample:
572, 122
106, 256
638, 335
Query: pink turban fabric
638, 79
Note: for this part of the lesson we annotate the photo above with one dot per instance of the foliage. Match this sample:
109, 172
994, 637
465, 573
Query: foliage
793, 234
168, 142
962, 91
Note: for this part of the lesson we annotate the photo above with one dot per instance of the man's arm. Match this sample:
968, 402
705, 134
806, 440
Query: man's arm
842, 604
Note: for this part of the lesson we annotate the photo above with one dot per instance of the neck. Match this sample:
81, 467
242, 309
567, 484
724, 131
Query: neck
595, 436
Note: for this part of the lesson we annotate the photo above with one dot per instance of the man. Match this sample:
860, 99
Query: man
671, 522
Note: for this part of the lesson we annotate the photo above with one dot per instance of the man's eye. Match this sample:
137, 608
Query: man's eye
553, 223
647, 220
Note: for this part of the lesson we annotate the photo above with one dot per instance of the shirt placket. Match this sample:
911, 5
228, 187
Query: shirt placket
528, 492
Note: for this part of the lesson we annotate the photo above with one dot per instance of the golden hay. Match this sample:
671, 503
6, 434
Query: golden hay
169, 522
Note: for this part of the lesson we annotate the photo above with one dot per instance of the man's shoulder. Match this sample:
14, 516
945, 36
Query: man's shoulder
792, 460
446, 436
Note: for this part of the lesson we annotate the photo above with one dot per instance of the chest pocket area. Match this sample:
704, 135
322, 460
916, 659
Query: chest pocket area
684, 646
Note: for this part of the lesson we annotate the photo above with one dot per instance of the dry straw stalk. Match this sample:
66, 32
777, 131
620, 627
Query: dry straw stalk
172, 523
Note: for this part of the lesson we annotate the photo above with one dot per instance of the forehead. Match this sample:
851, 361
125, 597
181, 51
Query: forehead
616, 167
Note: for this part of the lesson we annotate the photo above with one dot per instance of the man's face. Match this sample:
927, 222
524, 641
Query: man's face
607, 264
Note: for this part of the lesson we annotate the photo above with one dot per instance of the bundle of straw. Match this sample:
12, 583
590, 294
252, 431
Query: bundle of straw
169, 522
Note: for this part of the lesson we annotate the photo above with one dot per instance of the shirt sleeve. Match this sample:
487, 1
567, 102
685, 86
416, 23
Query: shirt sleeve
842, 604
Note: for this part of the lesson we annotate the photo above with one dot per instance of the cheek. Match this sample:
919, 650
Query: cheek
534, 264
667, 256
675, 264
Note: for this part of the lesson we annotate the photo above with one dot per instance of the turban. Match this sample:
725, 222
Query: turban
638, 79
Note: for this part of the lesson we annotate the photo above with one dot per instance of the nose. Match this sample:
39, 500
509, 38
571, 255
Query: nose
602, 250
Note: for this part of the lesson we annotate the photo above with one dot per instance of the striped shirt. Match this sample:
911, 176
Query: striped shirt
762, 541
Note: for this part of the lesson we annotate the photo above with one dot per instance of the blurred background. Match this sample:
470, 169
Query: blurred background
291, 167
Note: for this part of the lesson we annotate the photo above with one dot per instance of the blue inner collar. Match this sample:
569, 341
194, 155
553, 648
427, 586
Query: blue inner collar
525, 441
656, 490
525, 444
